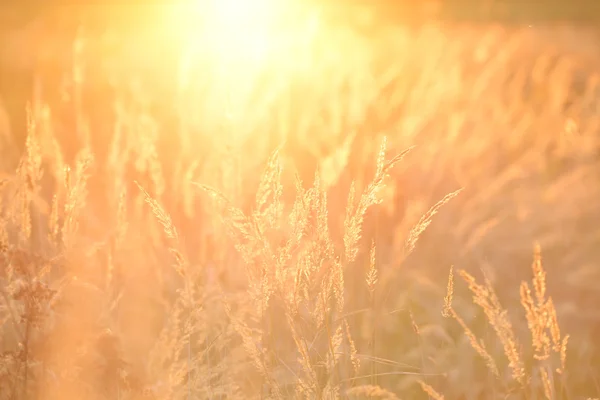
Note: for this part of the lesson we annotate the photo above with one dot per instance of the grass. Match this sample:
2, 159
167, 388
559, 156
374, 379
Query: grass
288, 232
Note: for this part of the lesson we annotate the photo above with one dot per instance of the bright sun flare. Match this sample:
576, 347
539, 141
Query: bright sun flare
239, 15
237, 43
235, 28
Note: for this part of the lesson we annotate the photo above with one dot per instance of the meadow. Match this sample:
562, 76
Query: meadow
344, 211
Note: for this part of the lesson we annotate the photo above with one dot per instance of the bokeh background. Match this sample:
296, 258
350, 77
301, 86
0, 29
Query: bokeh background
139, 103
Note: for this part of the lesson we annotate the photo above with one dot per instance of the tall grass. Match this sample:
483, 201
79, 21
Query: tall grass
288, 234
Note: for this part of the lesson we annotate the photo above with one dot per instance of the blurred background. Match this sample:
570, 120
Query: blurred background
41, 32
498, 98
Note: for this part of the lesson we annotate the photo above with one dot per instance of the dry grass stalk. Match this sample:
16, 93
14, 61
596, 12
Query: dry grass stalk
316, 271
355, 213
161, 215
477, 344
170, 231
430, 391
449, 294
546, 383
541, 316
53, 221
485, 297
372, 272
76, 190
353, 351
426, 220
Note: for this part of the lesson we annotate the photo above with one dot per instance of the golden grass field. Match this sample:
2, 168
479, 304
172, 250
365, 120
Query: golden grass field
381, 213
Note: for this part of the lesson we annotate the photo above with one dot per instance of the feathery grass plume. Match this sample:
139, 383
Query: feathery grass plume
485, 297
170, 340
243, 230
537, 324
449, 294
29, 173
355, 213
553, 325
76, 195
170, 231
161, 215
22, 214
541, 315
338, 286
295, 234
254, 346
372, 272
539, 276
352, 226
536, 309
309, 385
322, 306
335, 341
330, 264
476, 344
425, 221
372, 392
258, 239
353, 352
430, 391
563, 354
381, 158
298, 218
546, 383
268, 206
33, 152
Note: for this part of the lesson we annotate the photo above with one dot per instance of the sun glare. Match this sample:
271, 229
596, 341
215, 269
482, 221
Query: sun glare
240, 41
237, 16
234, 29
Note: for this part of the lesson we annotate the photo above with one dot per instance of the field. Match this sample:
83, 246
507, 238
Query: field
345, 211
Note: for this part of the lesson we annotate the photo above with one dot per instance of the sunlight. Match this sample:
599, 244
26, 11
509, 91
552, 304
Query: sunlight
239, 16
234, 29
245, 46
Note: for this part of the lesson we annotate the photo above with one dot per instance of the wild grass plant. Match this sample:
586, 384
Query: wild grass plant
287, 233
